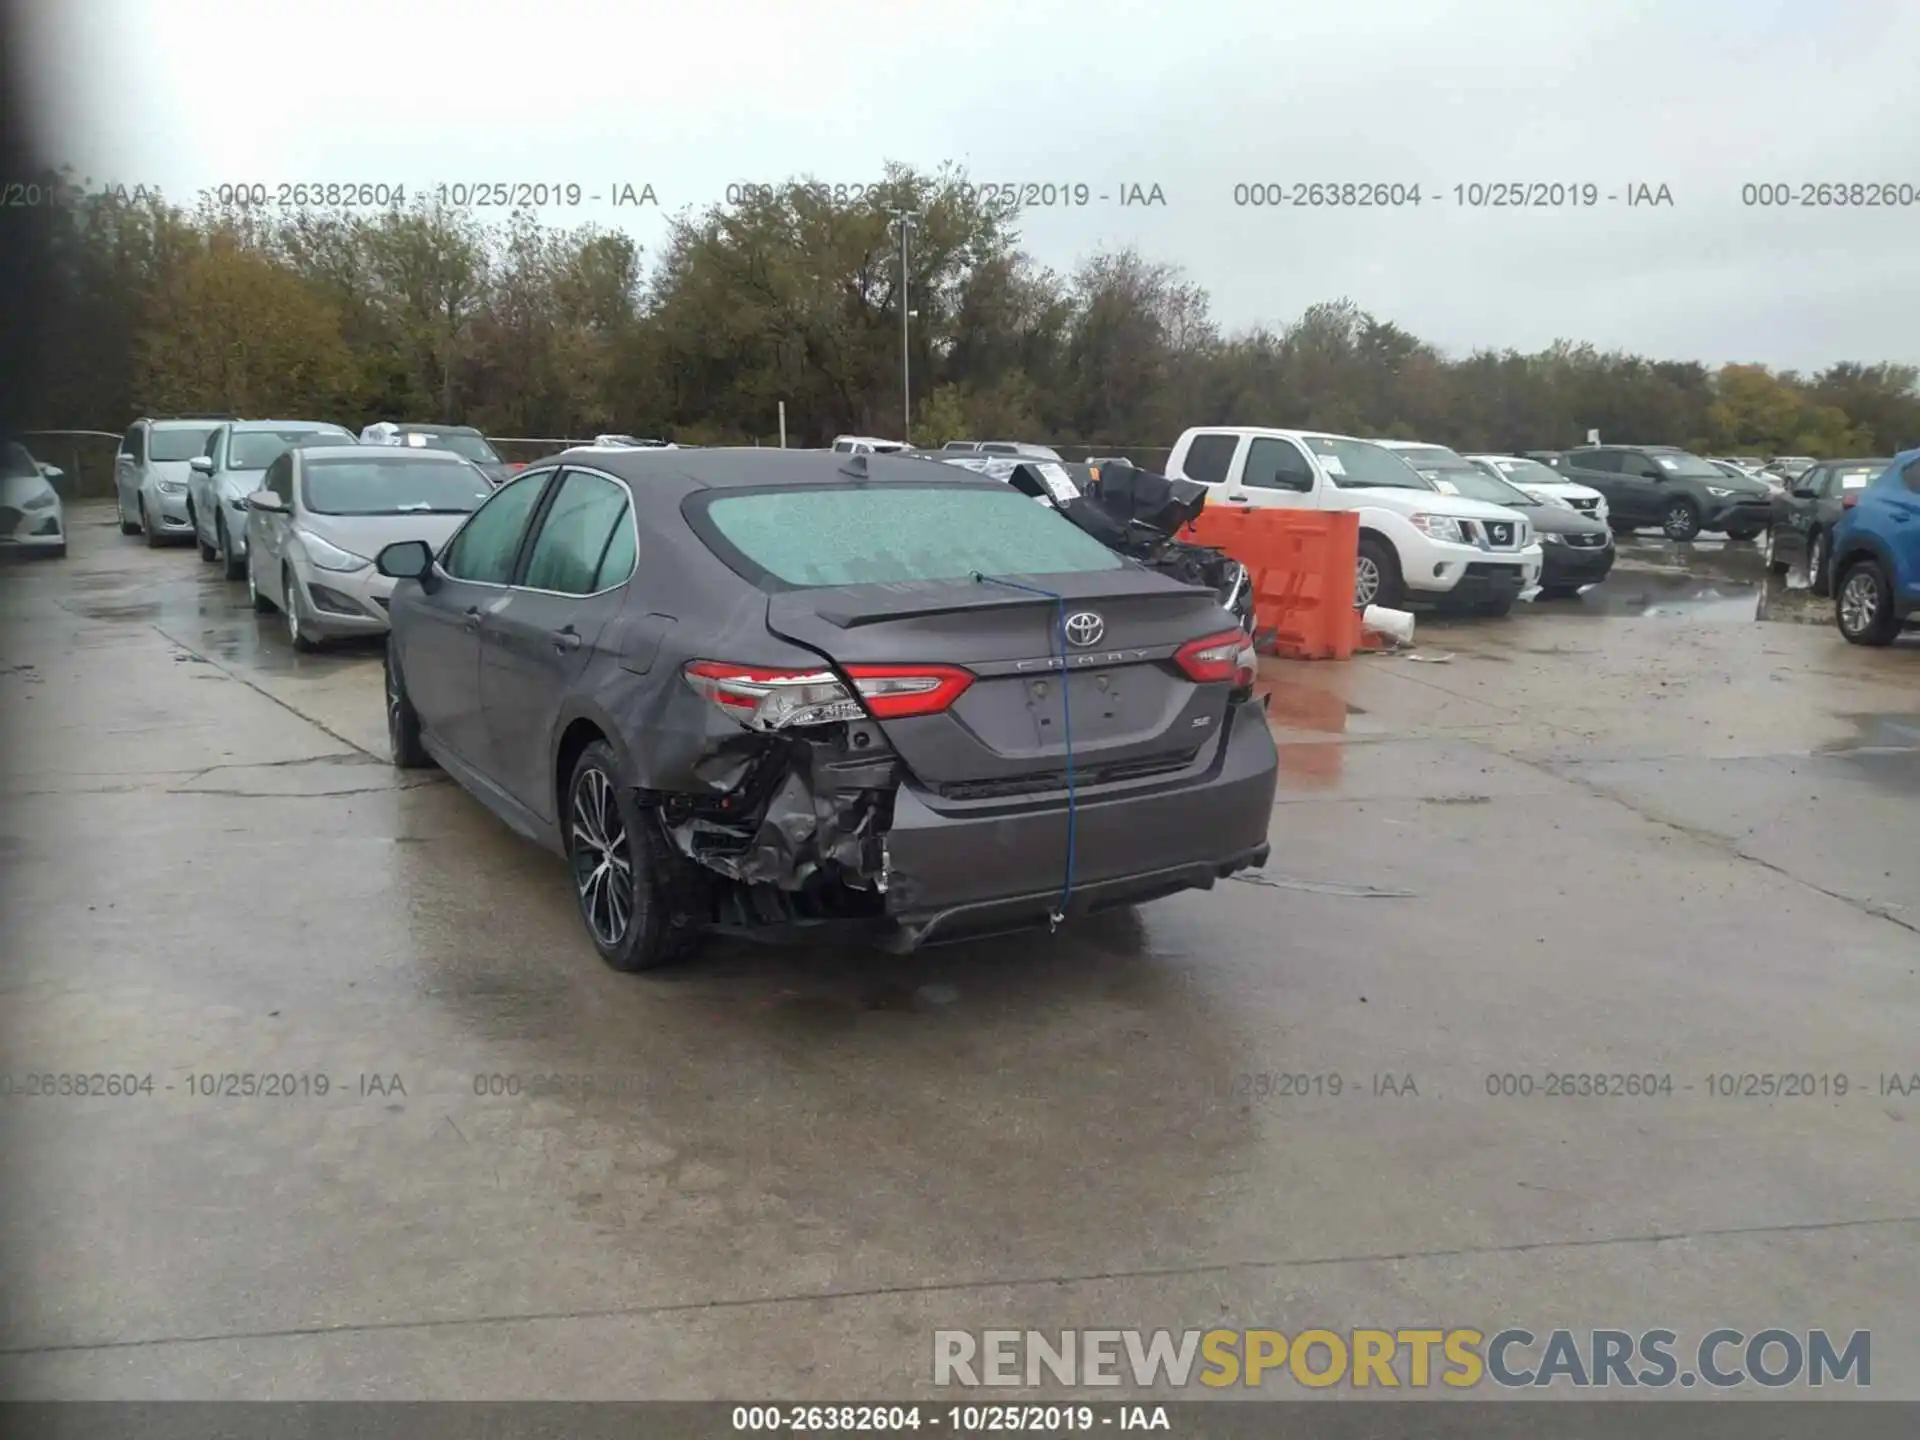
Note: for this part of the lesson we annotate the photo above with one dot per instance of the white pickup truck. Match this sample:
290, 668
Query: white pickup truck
1416, 542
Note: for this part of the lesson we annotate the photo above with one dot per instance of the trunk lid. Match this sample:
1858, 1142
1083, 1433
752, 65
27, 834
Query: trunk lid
1131, 709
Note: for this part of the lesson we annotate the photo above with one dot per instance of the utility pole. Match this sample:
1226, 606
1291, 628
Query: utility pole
906, 219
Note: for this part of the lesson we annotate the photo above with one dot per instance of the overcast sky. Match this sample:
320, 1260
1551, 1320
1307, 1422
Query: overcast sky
1701, 96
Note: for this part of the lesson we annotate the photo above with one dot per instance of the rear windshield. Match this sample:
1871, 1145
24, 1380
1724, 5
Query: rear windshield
392, 485
173, 444
467, 446
879, 535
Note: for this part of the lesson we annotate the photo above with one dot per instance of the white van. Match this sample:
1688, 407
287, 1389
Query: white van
866, 445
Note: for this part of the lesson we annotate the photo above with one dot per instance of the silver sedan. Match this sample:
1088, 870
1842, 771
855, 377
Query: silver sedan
323, 513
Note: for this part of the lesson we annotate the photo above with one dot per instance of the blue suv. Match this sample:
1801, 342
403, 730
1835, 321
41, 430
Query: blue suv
1876, 556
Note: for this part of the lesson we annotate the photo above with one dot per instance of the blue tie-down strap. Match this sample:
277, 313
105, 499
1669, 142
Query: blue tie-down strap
1066, 716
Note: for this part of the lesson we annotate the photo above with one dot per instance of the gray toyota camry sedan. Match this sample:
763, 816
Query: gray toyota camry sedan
793, 693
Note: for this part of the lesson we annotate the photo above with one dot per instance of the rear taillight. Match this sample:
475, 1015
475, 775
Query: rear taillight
892, 692
1217, 659
778, 699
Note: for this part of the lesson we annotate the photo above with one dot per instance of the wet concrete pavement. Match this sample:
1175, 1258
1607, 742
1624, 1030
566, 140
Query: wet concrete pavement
1611, 839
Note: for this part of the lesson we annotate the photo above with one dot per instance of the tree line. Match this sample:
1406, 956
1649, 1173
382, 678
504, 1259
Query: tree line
430, 312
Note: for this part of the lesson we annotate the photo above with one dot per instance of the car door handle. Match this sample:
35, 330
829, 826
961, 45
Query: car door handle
565, 640
1238, 500
473, 617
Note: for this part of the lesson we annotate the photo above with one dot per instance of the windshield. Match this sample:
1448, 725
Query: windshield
467, 447
178, 444
1360, 465
15, 461
1429, 457
1476, 484
1522, 472
1678, 462
392, 485
257, 449
836, 535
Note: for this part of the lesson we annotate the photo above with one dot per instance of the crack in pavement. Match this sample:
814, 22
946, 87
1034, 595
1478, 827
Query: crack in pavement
235, 675
952, 1287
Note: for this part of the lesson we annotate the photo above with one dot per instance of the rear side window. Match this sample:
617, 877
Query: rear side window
1607, 461
583, 519
1208, 458
879, 535
1911, 474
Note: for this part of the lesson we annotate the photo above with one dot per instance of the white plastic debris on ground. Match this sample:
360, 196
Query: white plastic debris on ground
1394, 625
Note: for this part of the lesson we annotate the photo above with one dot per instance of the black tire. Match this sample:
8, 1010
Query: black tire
1777, 566
154, 540
127, 527
231, 568
1494, 608
1874, 622
297, 634
1819, 564
403, 721
1681, 520
1621, 527
1559, 592
656, 930
207, 552
1389, 588
57, 552
1744, 532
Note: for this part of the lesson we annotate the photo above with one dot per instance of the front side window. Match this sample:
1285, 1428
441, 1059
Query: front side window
1910, 473
899, 533
279, 478
580, 524
130, 444
489, 543
1277, 465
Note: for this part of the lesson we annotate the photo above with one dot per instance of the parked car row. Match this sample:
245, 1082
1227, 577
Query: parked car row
298, 508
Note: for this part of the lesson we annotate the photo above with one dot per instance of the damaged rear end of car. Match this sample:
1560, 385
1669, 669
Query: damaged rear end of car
934, 711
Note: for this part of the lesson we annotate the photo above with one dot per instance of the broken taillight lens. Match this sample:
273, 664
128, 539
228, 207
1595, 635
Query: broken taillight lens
1214, 659
778, 699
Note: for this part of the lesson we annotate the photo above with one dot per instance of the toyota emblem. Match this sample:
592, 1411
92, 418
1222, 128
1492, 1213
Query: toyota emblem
1085, 628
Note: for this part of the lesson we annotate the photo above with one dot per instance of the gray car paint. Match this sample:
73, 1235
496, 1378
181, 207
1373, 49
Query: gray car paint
502, 709
215, 500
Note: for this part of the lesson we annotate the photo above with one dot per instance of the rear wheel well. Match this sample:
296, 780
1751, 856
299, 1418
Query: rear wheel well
573, 743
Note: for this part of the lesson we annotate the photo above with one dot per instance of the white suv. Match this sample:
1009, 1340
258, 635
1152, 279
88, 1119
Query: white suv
1543, 482
1416, 543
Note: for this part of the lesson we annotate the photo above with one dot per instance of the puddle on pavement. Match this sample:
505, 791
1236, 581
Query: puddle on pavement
1878, 732
1291, 706
1675, 594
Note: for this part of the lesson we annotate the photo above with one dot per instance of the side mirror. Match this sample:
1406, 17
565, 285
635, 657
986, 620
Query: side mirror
52, 472
266, 500
201, 465
1802, 493
405, 560
1654, 473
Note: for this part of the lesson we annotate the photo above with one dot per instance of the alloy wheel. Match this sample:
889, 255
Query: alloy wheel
1859, 603
1816, 560
1366, 582
1679, 525
253, 586
602, 858
1769, 556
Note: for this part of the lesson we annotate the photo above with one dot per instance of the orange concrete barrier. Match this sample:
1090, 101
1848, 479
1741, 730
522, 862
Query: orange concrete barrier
1301, 565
